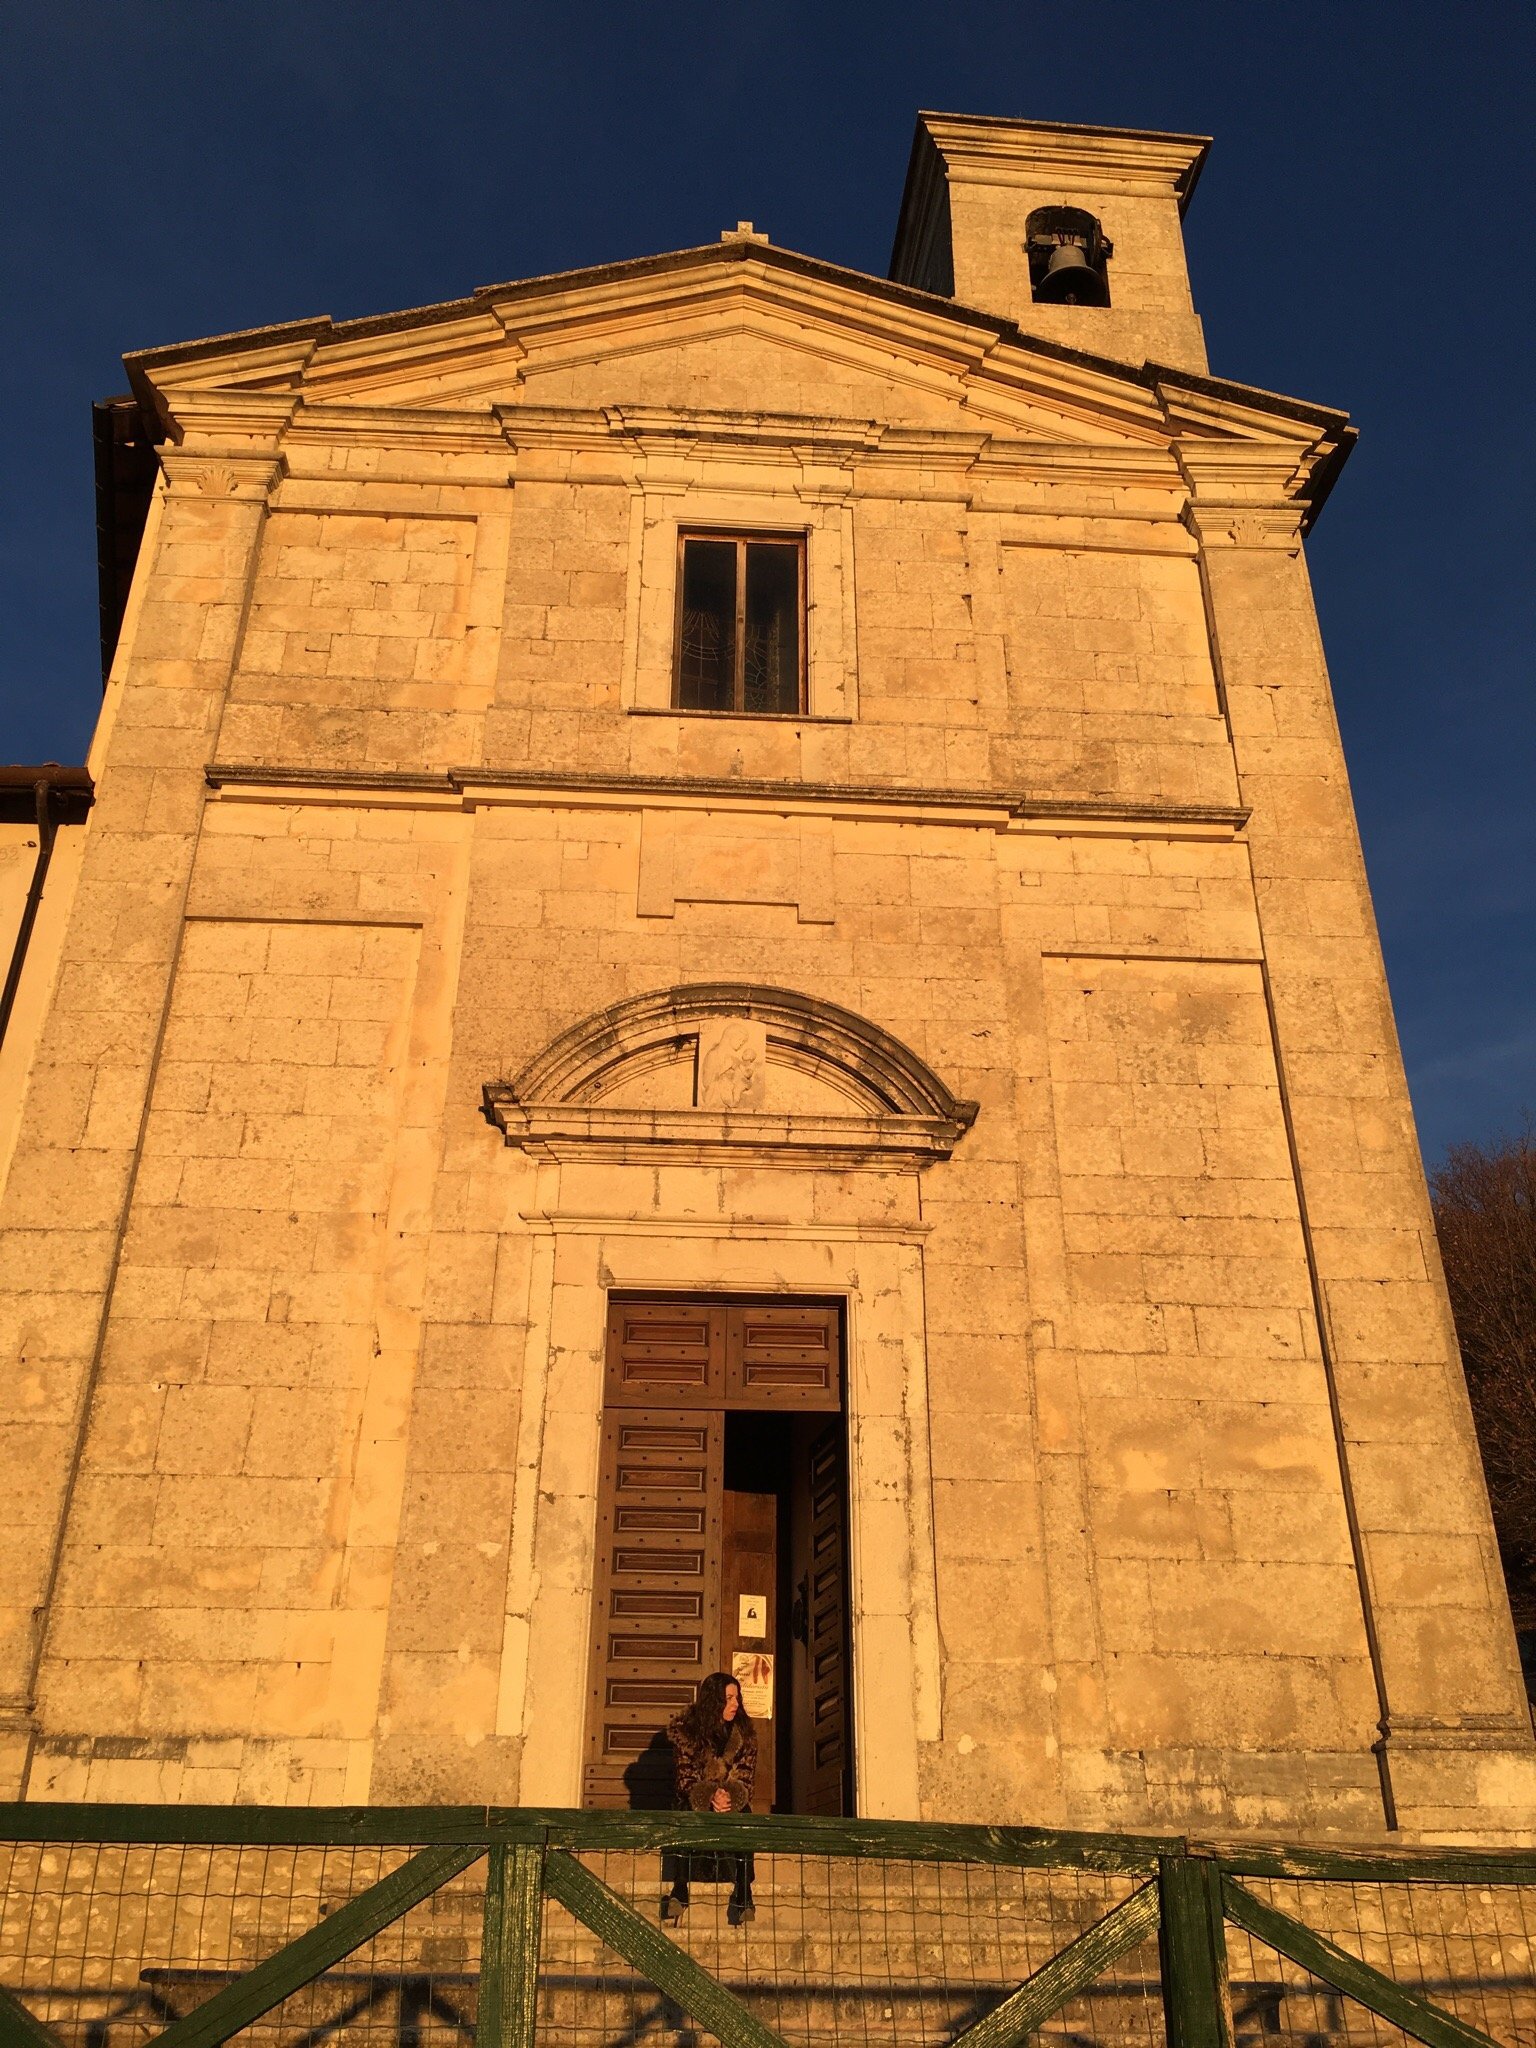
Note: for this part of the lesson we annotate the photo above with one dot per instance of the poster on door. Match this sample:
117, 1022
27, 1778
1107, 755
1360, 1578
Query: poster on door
753, 1672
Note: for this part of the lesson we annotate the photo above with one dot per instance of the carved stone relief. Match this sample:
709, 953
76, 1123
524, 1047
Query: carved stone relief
731, 1064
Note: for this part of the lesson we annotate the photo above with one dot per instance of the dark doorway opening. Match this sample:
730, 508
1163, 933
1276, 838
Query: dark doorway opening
722, 1545
784, 1552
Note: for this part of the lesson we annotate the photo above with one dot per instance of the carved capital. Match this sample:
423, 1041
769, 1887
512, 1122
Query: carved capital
1246, 526
247, 478
1244, 494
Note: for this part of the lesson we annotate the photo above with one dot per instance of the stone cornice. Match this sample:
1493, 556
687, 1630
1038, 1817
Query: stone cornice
462, 430
702, 1137
997, 151
846, 443
1242, 448
1251, 469
229, 418
1000, 810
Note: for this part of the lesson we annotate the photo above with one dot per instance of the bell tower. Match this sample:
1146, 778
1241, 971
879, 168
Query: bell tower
1075, 233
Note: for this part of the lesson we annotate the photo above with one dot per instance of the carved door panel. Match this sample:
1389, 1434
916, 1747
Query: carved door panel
670, 1353
656, 1606
782, 1357
826, 1625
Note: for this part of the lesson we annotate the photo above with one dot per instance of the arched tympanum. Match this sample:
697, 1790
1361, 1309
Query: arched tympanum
730, 1072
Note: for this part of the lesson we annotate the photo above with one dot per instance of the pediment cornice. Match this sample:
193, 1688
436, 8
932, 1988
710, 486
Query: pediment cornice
568, 1102
455, 376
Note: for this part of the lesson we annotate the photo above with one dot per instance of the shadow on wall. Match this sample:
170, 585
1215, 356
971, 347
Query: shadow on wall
650, 1779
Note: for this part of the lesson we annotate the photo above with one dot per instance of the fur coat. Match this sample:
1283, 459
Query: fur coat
701, 1770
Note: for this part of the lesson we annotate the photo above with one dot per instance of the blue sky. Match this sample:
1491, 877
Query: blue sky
1361, 237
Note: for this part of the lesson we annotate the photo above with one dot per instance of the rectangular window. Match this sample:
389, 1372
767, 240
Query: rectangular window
740, 624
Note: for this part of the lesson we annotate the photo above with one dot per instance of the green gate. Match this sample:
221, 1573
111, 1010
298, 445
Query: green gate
521, 1928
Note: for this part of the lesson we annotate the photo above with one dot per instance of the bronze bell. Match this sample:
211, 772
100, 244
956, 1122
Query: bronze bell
1071, 280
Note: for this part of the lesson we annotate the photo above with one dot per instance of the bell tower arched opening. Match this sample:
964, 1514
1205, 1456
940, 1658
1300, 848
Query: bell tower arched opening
1068, 257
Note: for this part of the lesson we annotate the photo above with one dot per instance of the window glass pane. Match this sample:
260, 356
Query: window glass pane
772, 665
707, 660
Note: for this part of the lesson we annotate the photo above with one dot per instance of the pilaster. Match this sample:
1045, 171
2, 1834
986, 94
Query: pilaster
1447, 1674
66, 1199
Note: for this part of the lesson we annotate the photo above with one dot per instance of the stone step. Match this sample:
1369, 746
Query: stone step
1058, 1908
797, 1927
833, 1963
835, 2023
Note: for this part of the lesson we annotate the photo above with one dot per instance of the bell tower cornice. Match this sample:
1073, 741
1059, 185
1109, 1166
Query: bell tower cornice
988, 150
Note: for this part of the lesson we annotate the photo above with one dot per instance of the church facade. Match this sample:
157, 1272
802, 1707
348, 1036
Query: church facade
720, 1010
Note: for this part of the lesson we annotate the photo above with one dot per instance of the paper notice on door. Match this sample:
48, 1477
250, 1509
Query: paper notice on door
752, 1616
753, 1672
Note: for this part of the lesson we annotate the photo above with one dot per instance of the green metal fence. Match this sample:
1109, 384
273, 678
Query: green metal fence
515, 1928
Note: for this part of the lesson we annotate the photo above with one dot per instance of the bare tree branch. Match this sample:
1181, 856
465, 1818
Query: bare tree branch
1485, 1214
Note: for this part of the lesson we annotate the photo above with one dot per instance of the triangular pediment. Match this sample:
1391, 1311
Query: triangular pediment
743, 330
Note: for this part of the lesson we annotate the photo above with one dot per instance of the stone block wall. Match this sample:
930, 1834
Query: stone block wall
1165, 1507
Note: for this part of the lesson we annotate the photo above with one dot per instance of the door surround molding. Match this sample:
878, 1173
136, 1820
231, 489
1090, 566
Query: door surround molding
578, 1262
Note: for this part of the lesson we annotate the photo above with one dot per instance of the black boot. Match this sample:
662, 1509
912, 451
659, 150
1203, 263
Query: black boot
674, 1905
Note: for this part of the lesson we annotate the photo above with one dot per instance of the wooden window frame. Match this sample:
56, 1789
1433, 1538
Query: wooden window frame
742, 539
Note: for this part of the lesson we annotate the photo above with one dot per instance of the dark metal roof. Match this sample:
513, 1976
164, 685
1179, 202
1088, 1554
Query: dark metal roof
69, 793
124, 436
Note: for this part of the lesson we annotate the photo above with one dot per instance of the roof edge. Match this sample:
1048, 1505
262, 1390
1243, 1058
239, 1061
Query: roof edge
1149, 376
1019, 121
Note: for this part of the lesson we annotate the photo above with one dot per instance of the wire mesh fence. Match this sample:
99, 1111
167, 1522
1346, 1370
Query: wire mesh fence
108, 1944
866, 1952
1469, 1948
1274, 2002
858, 1936
414, 1985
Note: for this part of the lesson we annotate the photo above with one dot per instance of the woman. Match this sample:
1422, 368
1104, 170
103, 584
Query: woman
714, 1748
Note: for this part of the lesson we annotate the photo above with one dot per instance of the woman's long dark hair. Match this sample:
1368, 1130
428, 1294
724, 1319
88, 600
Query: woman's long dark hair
705, 1719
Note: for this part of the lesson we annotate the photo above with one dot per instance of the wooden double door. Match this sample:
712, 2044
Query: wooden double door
722, 1545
